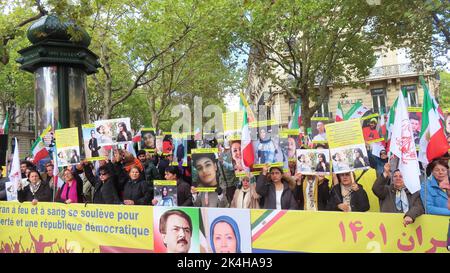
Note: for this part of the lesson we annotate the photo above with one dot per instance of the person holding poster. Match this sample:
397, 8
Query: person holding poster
347, 195
105, 191
246, 196
136, 189
276, 190
312, 191
184, 196
35, 191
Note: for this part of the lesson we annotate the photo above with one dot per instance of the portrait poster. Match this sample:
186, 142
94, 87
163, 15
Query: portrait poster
234, 155
205, 172
113, 131
11, 191
415, 118
92, 150
167, 240
67, 146
313, 161
225, 231
148, 140
349, 158
167, 144
347, 146
159, 144
290, 141
165, 192
267, 144
318, 129
180, 152
371, 128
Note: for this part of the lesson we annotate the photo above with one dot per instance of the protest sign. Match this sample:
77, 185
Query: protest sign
148, 140
318, 129
165, 192
113, 131
92, 150
67, 146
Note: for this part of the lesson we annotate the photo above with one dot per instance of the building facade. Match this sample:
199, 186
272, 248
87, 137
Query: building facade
392, 71
22, 127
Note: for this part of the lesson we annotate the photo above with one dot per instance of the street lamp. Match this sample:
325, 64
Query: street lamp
60, 65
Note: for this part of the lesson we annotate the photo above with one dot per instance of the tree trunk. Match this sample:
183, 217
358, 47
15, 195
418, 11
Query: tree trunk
306, 113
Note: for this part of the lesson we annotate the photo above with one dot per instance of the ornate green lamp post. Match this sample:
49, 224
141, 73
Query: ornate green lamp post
60, 65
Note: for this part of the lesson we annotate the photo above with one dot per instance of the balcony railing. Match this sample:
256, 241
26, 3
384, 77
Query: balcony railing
388, 71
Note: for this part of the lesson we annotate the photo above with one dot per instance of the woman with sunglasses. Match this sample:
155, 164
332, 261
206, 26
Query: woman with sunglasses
347, 195
105, 191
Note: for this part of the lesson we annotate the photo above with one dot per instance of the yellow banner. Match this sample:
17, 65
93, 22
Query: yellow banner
61, 228
204, 150
415, 109
307, 231
164, 182
232, 120
344, 133
206, 189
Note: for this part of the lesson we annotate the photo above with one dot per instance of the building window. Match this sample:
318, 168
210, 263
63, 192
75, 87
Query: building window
411, 91
378, 99
323, 110
31, 119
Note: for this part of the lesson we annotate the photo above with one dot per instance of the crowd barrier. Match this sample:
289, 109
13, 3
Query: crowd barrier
61, 228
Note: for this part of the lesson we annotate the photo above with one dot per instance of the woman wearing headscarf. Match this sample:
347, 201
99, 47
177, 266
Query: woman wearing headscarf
395, 197
224, 235
246, 196
347, 195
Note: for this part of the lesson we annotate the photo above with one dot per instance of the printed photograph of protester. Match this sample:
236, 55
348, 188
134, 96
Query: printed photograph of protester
305, 161
180, 150
113, 131
159, 144
148, 139
371, 130
236, 156
318, 129
68, 156
225, 231
165, 192
92, 150
415, 118
176, 230
167, 144
267, 145
204, 168
349, 158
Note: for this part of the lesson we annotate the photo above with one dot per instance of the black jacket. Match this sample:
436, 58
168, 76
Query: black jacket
265, 188
43, 194
184, 195
138, 191
93, 146
104, 192
358, 202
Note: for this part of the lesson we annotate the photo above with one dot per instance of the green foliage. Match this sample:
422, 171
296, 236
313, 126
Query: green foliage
444, 89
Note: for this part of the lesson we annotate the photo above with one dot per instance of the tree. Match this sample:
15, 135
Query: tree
444, 89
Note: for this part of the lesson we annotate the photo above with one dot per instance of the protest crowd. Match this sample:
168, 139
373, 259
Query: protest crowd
288, 171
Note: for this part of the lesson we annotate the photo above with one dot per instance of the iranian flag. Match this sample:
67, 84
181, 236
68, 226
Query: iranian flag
339, 113
14, 174
248, 155
390, 119
38, 150
137, 137
5, 126
433, 143
296, 120
402, 145
357, 111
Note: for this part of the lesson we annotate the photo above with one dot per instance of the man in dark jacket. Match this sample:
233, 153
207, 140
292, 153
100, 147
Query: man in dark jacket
105, 191
347, 195
394, 197
275, 189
